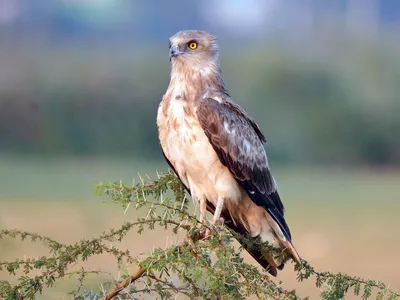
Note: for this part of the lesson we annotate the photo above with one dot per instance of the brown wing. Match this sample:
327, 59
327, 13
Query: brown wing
238, 142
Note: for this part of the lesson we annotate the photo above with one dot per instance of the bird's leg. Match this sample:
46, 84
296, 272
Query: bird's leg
217, 214
203, 210
218, 210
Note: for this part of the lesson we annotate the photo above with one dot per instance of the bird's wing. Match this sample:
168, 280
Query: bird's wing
238, 142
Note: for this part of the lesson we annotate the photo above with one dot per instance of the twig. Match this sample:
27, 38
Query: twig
131, 279
75, 254
170, 285
142, 270
124, 284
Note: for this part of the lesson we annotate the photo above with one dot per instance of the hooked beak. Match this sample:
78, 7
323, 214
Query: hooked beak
174, 51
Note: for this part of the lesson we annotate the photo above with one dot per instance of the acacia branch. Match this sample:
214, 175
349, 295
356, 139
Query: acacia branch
142, 270
70, 254
226, 276
120, 287
170, 285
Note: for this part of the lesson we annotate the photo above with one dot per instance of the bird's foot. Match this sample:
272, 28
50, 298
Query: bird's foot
208, 230
202, 232
199, 235
212, 227
220, 221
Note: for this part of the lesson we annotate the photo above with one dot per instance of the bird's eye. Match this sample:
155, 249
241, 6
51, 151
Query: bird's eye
192, 45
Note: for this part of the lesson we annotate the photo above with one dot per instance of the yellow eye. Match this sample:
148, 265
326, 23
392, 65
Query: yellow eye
192, 45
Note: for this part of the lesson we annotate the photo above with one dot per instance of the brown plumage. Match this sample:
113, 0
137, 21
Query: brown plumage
217, 150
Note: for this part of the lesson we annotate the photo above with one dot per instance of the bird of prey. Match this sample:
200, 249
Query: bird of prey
217, 150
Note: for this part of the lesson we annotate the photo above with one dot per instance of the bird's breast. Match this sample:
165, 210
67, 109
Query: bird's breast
183, 140
188, 149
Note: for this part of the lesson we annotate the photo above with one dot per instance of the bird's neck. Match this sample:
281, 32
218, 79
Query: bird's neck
193, 83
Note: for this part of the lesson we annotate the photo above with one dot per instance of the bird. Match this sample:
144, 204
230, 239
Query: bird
217, 150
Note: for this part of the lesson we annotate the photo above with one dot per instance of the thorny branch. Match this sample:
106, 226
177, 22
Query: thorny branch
225, 275
120, 287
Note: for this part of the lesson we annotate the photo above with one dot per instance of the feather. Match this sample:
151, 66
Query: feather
244, 155
250, 168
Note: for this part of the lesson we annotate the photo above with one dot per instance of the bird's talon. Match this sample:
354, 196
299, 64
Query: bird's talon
220, 221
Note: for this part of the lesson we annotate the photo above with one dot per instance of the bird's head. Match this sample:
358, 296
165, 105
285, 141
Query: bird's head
193, 48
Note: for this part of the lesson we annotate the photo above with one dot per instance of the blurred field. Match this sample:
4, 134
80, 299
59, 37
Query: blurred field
341, 219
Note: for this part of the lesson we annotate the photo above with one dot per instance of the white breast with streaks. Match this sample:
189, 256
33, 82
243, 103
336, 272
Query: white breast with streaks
188, 149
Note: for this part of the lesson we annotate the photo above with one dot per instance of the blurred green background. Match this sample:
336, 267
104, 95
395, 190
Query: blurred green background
80, 83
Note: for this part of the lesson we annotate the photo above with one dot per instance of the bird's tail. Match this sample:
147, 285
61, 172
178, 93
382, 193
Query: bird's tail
266, 260
280, 242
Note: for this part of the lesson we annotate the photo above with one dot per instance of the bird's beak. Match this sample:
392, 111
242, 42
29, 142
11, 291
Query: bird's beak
174, 51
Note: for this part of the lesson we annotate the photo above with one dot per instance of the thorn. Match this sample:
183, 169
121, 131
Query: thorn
141, 179
126, 209
183, 202
143, 195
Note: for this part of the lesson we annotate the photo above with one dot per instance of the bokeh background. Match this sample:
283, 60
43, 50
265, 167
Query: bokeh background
80, 83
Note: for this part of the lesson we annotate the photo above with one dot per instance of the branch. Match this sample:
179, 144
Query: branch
120, 287
170, 285
53, 245
224, 275
69, 254
341, 283
142, 270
